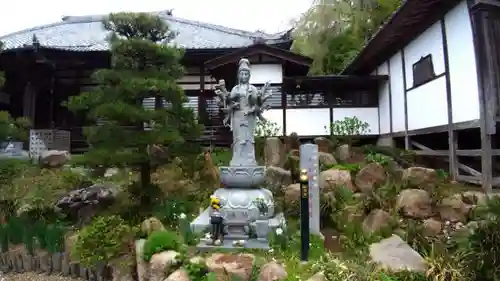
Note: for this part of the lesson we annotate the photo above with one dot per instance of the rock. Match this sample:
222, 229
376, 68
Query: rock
474, 197
272, 271
320, 276
343, 152
111, 172
292, 142
197, 260
396, 255
85, 203
158, 154
142, 265
432, 227
277, 178
235, 265
292, 193
415, 203
160, 264
376, 220
178, 275
150, 225
333, 178
55, 158
70, 239
453, 209
326, 158
324, 144
274, 152
370, 176
419, 175
121, 269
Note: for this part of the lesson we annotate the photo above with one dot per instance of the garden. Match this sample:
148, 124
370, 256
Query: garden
122, 210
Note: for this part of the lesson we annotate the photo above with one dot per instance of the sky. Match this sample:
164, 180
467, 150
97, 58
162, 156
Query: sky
268, 15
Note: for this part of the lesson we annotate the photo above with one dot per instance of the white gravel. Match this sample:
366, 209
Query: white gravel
36, 277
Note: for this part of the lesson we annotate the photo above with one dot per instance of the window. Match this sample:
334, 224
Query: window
423, 71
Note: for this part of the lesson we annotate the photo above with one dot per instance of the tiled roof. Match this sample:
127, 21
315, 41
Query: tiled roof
86, 33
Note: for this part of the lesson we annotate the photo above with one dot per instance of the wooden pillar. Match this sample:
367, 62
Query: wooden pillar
201, 95
487, 69
452, 142
405, 100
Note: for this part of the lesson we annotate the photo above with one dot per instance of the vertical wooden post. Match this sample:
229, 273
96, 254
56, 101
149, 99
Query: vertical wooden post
452, 145
407, 138
201, 94
486, 71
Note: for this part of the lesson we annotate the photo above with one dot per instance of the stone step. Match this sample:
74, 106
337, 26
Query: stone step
236, 236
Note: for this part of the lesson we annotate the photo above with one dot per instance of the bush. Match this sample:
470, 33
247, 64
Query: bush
160, 241
104, 239
10, 169
482, 246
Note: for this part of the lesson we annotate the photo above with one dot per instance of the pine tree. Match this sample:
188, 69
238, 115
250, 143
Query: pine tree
144, 64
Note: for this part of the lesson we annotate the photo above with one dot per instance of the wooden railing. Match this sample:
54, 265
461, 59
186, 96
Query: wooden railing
212, 136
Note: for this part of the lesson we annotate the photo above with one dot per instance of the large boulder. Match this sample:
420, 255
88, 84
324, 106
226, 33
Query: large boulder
55, 158
453, 209
334, 178
277, 178
419, 175
324, 144
272, 271
161, 263
343, 152
396, 255
326, 158
274, 152
376, 220
151, 225
369, 177
237, 266
179, 275
85, 203
415, 203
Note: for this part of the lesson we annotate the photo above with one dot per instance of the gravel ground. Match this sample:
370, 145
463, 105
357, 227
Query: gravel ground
36, 277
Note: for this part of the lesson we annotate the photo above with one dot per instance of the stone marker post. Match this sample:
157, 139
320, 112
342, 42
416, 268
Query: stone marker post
309, 160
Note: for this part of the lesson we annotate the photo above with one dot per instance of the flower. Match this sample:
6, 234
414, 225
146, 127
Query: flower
208, 236
182, 216
279, 231
271, 250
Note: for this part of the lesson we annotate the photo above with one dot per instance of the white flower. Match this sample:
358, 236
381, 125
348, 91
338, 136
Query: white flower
182, 216
208, 236
279, 231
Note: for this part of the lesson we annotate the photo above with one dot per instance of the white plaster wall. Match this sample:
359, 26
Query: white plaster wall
275, 116
365, 114
429, 42
261, 73
462, 62
308, 122
427, 106
397, 93
384, 101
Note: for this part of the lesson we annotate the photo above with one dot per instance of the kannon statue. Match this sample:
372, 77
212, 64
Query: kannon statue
242, 106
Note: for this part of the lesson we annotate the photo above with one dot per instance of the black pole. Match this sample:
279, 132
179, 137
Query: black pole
304, 216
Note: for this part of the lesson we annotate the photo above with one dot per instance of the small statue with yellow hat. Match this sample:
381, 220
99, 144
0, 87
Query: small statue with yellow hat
217, 221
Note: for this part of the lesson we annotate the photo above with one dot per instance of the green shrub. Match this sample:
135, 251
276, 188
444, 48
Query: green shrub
4, 237
54, 238
10, 169
16, 230
482, 246
196, 271
160, 241
104, 239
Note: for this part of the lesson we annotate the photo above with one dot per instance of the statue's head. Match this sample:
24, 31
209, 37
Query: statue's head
244, 71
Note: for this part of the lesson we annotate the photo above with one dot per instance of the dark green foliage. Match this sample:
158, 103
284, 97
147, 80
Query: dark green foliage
104, 239
13, 128
482, 246
143, 66
168, 210
16, 230
160, 241
54, 238
28, 238
39, 232
196, 271
10, 169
